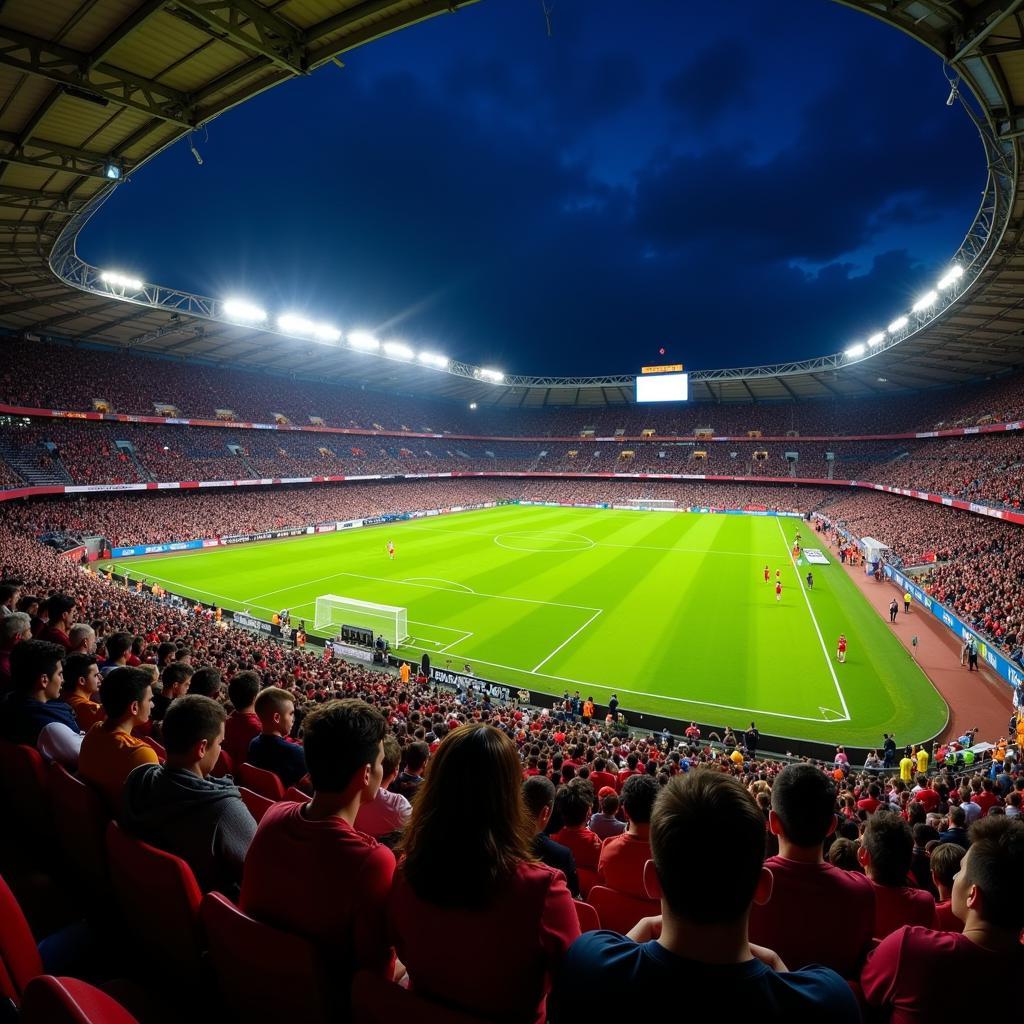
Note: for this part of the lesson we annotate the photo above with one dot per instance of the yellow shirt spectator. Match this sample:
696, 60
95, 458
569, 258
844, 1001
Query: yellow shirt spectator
403, 673
87, 712
107, 758
736, 757
907, 769
922, 761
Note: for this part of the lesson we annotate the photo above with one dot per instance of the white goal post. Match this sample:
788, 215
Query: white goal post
387, 620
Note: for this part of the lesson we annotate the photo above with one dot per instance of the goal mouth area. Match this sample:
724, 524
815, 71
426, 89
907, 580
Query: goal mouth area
335, 610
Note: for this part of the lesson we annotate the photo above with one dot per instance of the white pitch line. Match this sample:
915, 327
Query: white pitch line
814, 620
448, 647
533, 671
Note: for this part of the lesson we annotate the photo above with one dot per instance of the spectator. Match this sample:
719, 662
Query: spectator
243, 724
179, 808
622, 860
843, 854
274, 750
576, 805
14, 628
109, 751
81, 684
337, 894
605, 822
207, 682
917, 974
468, 870
886, 853
956, 832
118, 646
539, 799
945, 863
698, 949
810, 895
60, 611
10, 594
33, 713
82, 639
387, 813
410, 778
175, 681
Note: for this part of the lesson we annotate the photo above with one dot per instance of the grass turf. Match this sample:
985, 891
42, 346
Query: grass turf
669, 610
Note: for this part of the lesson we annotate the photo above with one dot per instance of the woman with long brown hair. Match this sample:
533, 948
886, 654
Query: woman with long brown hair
479, 923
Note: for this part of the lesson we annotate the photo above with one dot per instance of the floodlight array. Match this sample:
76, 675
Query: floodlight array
925, 302
243, 311
115, 279
494, 376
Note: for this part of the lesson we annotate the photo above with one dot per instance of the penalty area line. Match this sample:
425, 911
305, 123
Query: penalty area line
566, 640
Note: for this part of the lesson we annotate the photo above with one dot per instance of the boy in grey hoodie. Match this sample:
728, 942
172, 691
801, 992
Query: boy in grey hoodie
179, 808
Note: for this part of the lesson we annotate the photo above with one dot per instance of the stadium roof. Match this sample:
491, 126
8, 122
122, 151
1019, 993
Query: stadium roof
91, 89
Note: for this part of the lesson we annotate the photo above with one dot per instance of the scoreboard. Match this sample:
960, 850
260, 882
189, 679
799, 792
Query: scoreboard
663, 384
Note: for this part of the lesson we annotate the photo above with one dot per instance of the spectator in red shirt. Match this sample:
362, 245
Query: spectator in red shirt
886, 853
623, 858
337, 894
924, 794
243, 724
818, 913
631, 769
987, 798
871, 802
13, 629
917, 974
60, 612
479, 924
945, 863
601, 777
577, 803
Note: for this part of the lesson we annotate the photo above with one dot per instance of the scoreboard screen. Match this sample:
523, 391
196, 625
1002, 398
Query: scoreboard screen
662, 387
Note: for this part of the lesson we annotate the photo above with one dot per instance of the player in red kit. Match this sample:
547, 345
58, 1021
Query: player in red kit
778, 590
767, 574
841, 652
391, 550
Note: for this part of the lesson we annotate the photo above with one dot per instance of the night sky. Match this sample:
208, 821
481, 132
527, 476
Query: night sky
744, 183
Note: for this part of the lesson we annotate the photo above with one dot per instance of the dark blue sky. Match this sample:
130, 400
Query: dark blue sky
761, 182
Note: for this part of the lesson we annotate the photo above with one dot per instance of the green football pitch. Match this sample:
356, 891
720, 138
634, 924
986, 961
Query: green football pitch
668, 610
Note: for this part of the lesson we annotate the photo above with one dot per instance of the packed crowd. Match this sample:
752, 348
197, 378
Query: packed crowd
813, 875
47, 375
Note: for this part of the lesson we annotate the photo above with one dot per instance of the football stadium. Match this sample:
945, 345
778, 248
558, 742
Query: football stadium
318, 643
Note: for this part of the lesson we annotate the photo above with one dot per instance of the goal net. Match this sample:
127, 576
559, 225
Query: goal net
651, 503
387, 620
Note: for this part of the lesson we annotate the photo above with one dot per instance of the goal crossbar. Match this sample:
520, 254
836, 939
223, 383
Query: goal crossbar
390, 621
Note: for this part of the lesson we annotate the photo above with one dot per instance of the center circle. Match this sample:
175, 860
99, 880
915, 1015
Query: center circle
542, 541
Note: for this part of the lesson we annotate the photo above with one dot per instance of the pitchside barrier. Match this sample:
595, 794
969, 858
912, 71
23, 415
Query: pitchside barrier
1003, 667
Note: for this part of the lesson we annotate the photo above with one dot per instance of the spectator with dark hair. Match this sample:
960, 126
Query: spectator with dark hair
81, 684
387, 813
14, 628
243, 724
622, 860
917, 974
336, 896
886, 852
118, 646
60, 613
175, 682
468, 879
178, 807
810, 895
539, 799
207, 682
843, 854
956, 832
576, 805
33, 713
410, 778
165, 654
109, 751
606, 823
698, 949
274, 750
945, 863
10, 593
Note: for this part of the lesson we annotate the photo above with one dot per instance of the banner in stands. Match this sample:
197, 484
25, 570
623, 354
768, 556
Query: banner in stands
246, 538
462, 681
255, 625
347, 651
1006, 669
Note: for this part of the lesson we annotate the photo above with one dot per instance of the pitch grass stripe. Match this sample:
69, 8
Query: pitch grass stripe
821, 639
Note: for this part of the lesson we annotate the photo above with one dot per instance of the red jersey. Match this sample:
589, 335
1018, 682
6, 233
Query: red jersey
895, 907
842, 647
621, 864
778, 588
766, 575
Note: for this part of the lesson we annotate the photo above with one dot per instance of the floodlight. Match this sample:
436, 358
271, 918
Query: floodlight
951, 276
854, 351
926, 300
897, 325
876, 339
118, 280
398, 350
326, 332
239, 309
954, 92
472, 405
492, 375
292, 323
363, 340
112, 171
433, 359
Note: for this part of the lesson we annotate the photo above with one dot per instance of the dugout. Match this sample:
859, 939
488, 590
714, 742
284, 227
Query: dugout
874, 553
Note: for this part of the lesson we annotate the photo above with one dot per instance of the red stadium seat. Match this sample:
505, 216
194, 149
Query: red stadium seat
159, 900
80, 820
377, 1001
224, 765
588, 879
589, 921
19, 957
257, 803
23, 778
264, 974
619, 911
50, 1000
296, 795
259, 780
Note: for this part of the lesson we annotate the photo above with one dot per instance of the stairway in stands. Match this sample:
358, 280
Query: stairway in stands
27, 462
